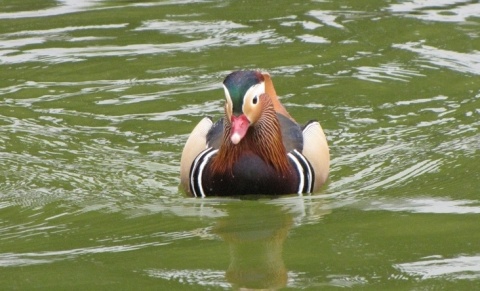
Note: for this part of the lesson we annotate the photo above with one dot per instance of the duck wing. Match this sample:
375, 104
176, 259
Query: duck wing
196, 143
315, 149
215, 134
291, 133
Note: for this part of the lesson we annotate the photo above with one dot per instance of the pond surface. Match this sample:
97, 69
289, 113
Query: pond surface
98, 97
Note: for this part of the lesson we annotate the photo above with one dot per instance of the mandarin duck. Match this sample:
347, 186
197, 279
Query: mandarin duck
256, 148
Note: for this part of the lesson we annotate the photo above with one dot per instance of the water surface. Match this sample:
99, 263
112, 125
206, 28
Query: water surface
98, 98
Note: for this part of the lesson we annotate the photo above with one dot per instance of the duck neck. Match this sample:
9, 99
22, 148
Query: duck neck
264, 139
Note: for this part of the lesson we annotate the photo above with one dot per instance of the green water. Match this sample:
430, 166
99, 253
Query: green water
98, 97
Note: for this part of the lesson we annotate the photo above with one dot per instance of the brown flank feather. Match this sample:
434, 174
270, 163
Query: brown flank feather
264, 139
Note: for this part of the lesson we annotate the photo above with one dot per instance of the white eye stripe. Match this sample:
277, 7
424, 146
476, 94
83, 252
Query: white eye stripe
227, 95
256, 90
229, 101
253, 93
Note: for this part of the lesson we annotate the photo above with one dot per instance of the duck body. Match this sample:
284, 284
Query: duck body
257, 148
250, 173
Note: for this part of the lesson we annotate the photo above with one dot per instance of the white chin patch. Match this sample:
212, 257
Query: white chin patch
235, 138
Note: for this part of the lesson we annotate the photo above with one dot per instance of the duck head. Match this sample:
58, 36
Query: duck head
243, 90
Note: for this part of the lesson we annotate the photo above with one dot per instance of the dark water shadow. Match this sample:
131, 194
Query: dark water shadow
255, 238
255, 232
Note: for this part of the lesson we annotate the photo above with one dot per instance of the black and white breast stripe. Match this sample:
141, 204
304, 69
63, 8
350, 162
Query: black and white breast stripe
303, 167
305, 172
196, 171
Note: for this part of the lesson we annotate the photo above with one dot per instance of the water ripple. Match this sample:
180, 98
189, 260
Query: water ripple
456, 61
60, 55
461, 267
405, 175
391, 71
64, 7
63, 55
221, 32
54, 32
437, 10
328, 18
25, 259
424, 205
190, 28
74, 6
203, 277
312, 38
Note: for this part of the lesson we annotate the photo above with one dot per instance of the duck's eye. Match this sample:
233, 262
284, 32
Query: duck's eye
255, 100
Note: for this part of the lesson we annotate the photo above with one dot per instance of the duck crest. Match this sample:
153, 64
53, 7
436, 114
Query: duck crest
263, 139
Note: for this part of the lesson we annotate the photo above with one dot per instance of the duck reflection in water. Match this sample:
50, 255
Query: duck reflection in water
255, 239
